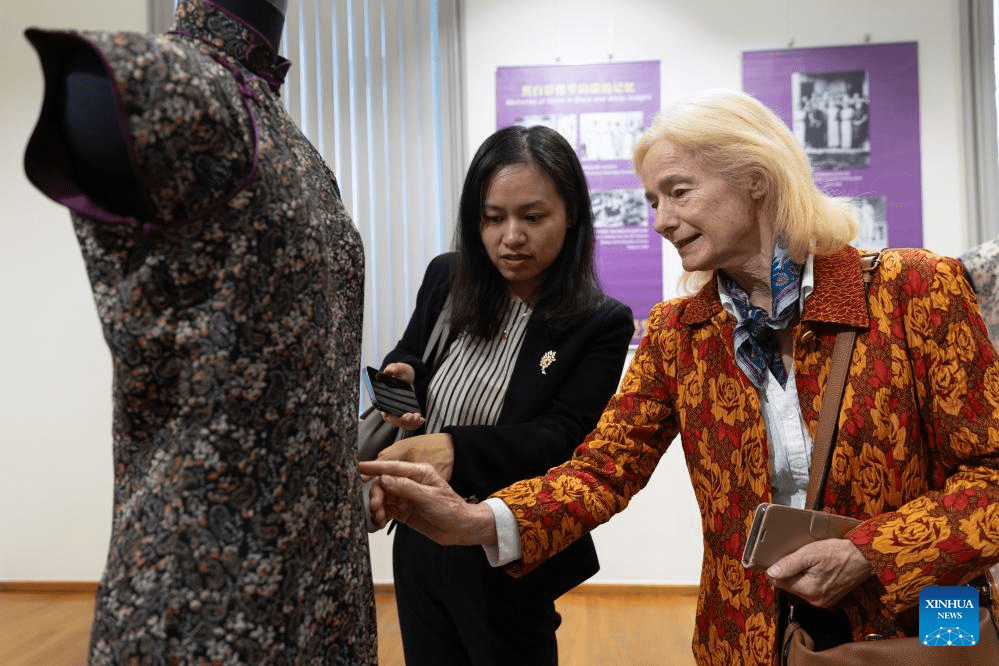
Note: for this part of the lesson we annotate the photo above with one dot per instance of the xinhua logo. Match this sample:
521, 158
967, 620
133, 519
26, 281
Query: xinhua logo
948, 616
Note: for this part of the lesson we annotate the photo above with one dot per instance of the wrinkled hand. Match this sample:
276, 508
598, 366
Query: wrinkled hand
435, 449
375, 504
821, 572
411, 420
416, 494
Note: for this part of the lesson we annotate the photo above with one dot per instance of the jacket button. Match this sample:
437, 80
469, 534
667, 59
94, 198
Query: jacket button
809, 340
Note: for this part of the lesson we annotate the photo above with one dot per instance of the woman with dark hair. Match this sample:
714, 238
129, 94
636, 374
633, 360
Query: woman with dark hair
534, 350
569, 286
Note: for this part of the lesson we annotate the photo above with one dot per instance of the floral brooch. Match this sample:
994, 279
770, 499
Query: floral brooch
546, 360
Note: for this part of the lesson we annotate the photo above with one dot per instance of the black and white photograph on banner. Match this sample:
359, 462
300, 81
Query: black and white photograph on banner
619, 208
566, 124
831, 118
609, 136
872, 222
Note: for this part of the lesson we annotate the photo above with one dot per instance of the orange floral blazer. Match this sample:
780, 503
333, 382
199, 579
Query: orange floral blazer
916, 457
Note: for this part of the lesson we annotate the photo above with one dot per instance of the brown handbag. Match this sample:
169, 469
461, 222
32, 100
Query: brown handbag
798, 646
799, 649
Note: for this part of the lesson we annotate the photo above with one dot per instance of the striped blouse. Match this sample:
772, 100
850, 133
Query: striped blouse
469, 387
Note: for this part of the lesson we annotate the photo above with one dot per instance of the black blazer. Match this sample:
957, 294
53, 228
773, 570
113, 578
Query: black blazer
544, 416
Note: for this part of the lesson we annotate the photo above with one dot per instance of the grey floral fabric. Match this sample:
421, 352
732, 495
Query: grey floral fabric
232, 310
982, 266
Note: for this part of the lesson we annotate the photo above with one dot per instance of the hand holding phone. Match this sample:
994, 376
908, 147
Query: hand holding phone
780, 530
389, 394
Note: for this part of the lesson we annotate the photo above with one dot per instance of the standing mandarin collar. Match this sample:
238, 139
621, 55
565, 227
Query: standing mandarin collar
207, 22
838, 297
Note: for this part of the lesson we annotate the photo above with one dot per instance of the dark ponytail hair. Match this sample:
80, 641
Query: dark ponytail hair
479, 293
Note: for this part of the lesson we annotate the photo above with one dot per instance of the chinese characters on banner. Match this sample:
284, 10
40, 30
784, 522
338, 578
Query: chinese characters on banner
601, 110
856, 111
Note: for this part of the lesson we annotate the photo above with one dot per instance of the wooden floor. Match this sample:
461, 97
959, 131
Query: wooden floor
601, 626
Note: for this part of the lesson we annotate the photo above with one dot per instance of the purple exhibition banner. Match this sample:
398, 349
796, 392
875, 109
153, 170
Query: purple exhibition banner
602, 110
856, 111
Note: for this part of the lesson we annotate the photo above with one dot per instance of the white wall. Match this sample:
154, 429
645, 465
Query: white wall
55, 408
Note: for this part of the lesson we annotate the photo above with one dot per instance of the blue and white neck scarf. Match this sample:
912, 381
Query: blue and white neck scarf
756, 347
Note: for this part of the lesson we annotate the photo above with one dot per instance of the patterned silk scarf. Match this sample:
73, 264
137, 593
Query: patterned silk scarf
756, 346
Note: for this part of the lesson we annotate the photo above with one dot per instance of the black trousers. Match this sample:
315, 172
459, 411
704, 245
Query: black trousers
456, 610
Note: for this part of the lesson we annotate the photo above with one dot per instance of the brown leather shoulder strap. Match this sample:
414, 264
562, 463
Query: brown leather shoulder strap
833, 398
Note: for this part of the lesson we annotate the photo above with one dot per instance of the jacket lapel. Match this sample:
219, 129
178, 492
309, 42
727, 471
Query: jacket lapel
839, 296
526, 371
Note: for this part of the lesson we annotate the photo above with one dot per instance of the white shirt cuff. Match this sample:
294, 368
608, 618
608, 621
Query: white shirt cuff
507, 547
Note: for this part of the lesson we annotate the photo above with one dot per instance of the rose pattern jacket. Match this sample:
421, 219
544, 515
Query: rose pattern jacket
916, 456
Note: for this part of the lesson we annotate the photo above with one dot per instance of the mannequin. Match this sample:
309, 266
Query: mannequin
265, 16
96, 150
228, 279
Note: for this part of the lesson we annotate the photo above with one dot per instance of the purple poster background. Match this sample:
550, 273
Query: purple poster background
856, 110
602, 110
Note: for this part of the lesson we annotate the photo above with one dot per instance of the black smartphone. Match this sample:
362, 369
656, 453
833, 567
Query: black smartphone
391, 395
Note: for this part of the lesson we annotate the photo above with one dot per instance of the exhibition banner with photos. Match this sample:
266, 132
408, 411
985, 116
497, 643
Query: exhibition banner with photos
856, 111
602, 110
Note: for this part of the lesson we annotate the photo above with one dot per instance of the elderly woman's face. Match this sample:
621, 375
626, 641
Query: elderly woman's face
711, 223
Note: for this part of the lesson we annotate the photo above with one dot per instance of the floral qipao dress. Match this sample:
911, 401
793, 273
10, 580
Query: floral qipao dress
232, 309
